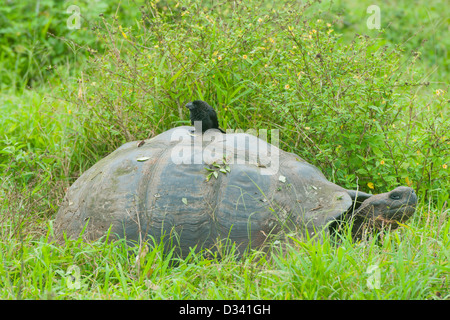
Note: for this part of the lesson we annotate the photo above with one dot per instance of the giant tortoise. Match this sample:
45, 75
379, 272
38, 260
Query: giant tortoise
200, 191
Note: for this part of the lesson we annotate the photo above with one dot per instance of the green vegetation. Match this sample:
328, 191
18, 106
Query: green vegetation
370, 109
412, 264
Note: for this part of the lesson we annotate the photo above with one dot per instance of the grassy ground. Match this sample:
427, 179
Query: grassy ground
409, 264
48, 137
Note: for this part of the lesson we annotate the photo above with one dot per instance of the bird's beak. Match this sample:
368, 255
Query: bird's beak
189, 105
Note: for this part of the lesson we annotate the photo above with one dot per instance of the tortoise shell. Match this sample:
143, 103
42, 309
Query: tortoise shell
197, 191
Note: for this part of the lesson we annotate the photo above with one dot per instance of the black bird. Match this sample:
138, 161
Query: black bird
201, 111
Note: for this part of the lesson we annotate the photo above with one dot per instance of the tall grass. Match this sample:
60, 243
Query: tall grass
354, 109
409, 264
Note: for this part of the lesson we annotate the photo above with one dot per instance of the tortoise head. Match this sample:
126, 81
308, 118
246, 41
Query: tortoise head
385, 210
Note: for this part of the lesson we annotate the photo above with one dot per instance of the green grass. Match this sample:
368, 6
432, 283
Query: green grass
427, 20
412, 264
54, 131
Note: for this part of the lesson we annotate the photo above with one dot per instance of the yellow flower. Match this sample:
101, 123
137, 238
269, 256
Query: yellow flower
439, 92
382, 162
286, 86
215, 53
266, 65
271, 40
444, 166
307, 128
123, 33
408, 182
244, 56
70, 111
219, 58
328, 25
260, 20
370, 185
330, 31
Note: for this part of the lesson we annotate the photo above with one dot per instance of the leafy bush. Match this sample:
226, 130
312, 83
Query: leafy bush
31, 33
422, 24
353, 109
